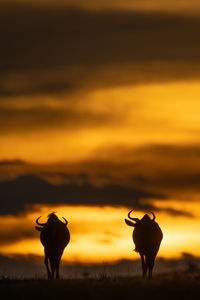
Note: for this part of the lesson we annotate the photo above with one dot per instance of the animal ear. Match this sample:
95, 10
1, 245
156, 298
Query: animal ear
129, 223
38, 228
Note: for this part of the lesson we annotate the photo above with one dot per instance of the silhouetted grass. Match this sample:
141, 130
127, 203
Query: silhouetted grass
171, 286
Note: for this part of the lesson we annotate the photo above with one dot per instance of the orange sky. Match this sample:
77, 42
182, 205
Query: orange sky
134, 116
99, 113
100, 234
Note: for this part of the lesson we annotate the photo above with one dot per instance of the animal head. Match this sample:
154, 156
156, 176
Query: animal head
137, 221
52, 218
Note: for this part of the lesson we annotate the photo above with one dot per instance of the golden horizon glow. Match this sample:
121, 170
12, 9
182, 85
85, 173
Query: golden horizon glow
100, 234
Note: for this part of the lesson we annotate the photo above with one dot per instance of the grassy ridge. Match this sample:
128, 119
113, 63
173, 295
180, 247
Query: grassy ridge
173, 286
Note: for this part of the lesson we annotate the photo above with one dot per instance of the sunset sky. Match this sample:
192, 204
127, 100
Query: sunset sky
99, 114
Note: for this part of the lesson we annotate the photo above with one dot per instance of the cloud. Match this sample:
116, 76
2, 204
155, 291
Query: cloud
14, 162
23, 192
120, 173
17, 120
20, 231
79, 50
158, 165
27, 190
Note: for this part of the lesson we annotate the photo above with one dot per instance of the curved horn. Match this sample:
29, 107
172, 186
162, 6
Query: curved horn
153, 215
129, 216
66, 222
41, 224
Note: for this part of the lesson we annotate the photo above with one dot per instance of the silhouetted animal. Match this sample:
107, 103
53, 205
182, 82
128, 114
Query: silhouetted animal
54, 236
147, 237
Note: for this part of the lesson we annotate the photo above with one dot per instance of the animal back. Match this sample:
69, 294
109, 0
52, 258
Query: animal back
147, 238
55, 235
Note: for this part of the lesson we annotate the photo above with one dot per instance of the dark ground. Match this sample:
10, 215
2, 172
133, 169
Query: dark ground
171, 286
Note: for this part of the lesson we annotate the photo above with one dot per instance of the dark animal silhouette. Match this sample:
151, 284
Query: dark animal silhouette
54, 236
147, 237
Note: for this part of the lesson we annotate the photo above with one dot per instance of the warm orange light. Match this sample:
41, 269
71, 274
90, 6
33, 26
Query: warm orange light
100, 234
132, 116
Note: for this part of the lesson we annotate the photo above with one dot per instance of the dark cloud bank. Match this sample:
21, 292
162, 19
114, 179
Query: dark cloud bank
63, 51
54, 50
24, 191
21, 120
128, 177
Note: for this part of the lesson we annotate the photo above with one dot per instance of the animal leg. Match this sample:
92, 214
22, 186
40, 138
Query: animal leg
150, 264
151, 269
57, 268
46, 262
53, 265
144, 266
